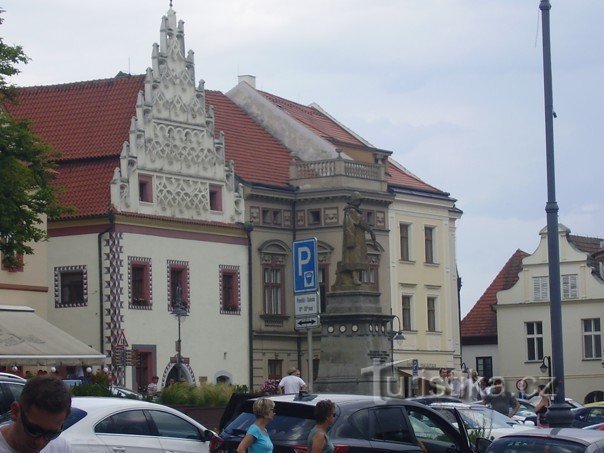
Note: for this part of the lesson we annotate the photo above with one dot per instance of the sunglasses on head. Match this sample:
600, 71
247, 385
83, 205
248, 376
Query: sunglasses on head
35, 431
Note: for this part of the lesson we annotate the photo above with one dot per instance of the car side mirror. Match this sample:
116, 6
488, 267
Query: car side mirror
482, 444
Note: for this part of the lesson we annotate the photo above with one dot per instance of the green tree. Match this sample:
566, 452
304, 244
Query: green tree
27, 168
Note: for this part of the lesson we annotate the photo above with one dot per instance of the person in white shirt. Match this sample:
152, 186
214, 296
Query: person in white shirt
292, 383
37, 418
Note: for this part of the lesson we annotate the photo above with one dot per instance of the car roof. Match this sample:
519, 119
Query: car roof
576, 434
311, 399
92, 403
11, 377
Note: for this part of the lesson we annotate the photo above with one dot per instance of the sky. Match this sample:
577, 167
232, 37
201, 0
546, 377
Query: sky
454, 88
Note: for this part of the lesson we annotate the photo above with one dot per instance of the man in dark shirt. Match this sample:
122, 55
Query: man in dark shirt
501, 400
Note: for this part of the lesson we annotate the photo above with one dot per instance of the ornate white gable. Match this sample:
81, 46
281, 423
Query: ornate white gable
173, 164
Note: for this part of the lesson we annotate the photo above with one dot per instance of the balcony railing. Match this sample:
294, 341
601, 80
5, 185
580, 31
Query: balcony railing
337, 167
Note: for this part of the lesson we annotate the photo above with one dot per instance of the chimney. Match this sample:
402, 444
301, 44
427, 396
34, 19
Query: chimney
249, 79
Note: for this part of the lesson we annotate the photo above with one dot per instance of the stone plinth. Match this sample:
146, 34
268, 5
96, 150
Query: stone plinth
355, 336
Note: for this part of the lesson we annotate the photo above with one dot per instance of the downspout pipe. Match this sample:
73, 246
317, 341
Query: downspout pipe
248, 227
294, 237
111, 218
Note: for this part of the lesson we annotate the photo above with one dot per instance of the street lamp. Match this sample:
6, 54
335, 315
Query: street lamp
179, 310
394, 335
558, 413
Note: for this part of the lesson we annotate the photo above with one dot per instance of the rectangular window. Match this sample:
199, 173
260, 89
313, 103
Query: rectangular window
484, 367
275, 369
15, 265
406, 312
314, 217
215, 198
71, 286
541, 288
429, 244
145, 188
370, 276
272, 217
592, 339
229, 290
178, 284
273, 289
140, 282
404, 235
569, 287
369, 217
534, 340
431, 306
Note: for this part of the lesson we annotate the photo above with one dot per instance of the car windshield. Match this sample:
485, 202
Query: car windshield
74, 416
292, 422
535, 445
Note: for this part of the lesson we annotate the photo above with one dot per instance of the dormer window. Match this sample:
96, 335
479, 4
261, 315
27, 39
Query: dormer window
145, 188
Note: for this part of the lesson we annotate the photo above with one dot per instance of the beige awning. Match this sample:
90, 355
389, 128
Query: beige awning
27, 339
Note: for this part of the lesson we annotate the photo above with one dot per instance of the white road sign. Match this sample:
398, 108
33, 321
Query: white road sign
306, 304
307, 323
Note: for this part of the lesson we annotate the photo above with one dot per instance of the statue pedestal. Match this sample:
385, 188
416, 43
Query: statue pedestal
355, 345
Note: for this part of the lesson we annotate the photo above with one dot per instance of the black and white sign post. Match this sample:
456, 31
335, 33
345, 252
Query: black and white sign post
306, 297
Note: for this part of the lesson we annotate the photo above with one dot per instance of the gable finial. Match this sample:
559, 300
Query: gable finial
170, 3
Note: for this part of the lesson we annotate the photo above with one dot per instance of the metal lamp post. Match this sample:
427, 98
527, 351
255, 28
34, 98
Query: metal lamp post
559, 413
394, 335
179, 310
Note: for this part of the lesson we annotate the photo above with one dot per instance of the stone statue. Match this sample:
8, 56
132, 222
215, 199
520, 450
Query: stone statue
354, 245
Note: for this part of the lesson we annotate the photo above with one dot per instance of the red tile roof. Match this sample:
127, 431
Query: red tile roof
481, 321
401, 178
258, 156
323, 126
314, 120
83, 119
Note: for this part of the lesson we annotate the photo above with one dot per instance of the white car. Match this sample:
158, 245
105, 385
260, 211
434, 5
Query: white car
483, 421
119, 424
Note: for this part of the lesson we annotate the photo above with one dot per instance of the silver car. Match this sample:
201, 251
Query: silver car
551, 440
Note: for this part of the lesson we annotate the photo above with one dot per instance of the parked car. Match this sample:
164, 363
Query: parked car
563, 440
362, 424
124, 392
589, 415
480, 421
597, 427
573, 404
120, 424
11, 387
526, 413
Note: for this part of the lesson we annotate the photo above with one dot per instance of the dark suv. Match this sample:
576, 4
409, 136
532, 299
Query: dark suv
10, 390
363, 423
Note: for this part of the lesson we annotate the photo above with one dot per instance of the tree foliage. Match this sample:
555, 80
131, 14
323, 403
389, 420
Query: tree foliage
26, 170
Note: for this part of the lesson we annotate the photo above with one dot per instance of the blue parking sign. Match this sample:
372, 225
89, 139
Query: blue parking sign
305, 265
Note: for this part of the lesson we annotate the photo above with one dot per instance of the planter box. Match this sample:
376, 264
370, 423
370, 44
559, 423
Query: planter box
207, 416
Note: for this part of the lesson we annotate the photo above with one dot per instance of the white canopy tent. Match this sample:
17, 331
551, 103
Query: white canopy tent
27, 339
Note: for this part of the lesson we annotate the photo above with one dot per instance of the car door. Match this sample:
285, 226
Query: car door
434, 432
128, 431
177, 434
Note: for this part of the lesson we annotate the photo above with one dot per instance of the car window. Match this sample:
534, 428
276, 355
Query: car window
128, 422
291, 422
74, 416
429, 426
355, 427
170, 425
596, 415
390, 424
9, 392
534, 445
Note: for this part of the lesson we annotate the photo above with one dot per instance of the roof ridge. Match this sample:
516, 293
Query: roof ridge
81, 82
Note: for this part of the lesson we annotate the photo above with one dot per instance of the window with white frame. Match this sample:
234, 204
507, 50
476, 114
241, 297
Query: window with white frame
406, 312
534, 340
592, 339
541, 288
431, 312
569, 286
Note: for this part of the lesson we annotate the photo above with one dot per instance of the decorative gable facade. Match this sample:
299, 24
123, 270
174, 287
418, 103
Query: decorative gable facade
524, 310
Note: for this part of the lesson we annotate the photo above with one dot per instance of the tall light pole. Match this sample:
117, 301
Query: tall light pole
179, 310
559, 413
